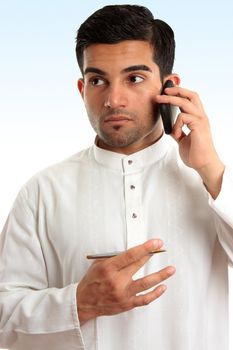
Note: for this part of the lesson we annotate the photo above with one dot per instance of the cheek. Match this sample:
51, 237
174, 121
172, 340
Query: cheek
93, 109
149, 109
145, 96
145, 104
92, 101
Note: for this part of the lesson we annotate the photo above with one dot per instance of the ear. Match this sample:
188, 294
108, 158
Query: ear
174, 78
80, 85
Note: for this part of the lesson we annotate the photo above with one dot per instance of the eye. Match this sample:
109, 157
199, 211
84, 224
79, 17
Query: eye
136, 79
96, 81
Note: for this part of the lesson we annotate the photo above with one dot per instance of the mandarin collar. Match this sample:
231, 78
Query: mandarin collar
133, 162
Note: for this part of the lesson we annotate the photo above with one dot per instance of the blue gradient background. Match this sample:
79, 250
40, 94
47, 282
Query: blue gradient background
42, 118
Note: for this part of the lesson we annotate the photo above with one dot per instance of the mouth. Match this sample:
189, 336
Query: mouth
117, 119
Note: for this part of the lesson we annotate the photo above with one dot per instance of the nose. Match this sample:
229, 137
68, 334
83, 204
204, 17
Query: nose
116, 96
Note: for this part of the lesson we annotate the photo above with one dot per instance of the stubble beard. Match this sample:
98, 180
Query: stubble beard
120, 136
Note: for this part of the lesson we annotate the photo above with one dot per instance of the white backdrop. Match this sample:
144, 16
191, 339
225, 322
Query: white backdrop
42, 118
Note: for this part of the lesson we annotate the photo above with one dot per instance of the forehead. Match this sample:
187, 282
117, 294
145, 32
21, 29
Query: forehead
125, 53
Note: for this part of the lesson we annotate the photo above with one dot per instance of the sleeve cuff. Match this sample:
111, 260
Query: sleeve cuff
221, 205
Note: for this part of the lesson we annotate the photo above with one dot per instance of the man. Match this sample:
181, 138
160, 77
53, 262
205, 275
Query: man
134, 191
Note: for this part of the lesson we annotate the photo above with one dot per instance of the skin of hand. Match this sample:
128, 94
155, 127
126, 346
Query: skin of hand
108, 287
196, 148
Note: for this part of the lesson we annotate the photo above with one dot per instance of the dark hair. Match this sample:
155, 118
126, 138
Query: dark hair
115, 23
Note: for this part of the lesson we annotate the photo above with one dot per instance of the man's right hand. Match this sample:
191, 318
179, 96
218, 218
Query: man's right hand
108, 287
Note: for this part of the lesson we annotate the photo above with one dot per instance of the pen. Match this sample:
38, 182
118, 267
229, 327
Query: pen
112, 254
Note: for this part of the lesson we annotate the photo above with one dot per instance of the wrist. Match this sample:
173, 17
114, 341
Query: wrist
85, 311
84, 315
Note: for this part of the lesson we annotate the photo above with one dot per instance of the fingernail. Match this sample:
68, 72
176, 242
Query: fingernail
157, 243
162, 288
171, 270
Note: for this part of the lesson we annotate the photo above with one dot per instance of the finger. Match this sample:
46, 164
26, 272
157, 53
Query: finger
186, 94
183, 119
178, 134
184, 104
151, 280
131, 269
135, 254
193, 122
188, 101
137, 265
147, 298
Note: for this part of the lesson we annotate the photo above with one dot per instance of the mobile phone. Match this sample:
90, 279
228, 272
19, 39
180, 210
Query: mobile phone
167, 111
110, 255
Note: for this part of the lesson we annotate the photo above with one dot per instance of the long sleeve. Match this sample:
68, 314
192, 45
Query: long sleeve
34, 315
87, 204
222, 207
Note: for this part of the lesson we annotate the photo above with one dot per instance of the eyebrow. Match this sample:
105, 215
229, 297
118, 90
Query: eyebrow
129, 69
137, 67
94, 70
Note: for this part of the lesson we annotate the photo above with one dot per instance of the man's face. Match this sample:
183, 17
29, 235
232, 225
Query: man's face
120, 81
